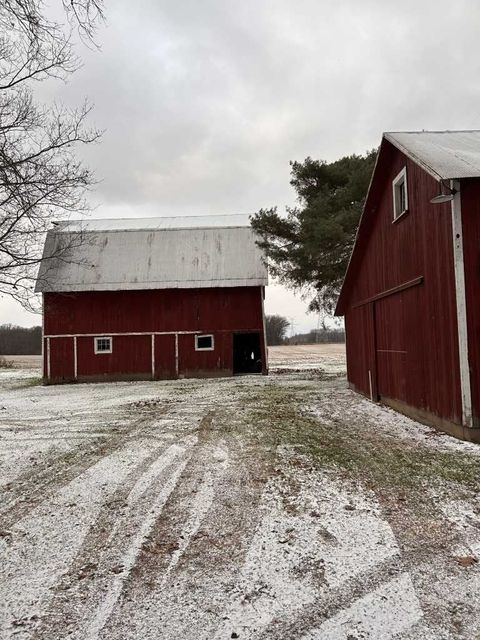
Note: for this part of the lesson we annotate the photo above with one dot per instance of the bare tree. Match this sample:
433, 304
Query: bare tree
40, 178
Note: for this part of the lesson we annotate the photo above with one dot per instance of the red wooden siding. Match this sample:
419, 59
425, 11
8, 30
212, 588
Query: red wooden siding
421, 321
193, 362
62, 359
470, 192
130, 355
399, 339
220, 312
360, 349
165, 310
165, 362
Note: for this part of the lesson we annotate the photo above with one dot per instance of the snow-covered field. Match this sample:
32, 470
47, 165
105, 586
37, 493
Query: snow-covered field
281, 507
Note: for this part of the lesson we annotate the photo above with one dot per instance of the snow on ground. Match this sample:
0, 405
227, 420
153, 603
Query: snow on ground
281, 507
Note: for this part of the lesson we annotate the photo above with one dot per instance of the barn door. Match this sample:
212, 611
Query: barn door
391, 347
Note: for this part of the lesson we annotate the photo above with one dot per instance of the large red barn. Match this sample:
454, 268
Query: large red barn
153, 298
411, 293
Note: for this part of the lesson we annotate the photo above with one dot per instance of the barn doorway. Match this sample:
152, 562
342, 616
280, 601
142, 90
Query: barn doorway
247, 355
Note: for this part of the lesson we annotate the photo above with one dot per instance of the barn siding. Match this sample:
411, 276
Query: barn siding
421, 321
131, 357
360, 346
165, 363
160, 310
220, 312
217, 362
62, 359
470, 194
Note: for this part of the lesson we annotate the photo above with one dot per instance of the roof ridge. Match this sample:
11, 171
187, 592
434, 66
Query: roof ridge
434, 131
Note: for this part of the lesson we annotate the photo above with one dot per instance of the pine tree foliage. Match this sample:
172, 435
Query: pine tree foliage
309, 248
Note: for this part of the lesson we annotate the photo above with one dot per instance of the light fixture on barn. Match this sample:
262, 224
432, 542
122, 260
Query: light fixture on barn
443, 197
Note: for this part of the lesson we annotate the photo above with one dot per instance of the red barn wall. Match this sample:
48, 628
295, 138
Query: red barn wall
470, 198
61, 359
130, 355
408, 340
217, 311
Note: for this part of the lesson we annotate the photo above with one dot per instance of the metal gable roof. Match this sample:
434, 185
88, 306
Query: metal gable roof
444, 154
152, 253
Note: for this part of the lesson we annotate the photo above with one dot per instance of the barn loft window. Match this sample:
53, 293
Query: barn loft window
103, 344
400, 194
204, 343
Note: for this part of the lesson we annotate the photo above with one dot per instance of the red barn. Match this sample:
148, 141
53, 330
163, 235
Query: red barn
152, 299
411, 293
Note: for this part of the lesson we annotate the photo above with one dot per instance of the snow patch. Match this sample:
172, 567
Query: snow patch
384, 613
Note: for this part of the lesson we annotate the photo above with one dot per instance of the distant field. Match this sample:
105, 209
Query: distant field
305, 352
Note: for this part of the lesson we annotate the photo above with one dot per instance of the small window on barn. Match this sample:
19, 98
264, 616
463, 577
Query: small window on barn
204, 343
103, 344
400, 194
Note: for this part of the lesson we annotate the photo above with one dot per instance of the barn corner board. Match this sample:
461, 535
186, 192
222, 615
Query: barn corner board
154, 298
410, 295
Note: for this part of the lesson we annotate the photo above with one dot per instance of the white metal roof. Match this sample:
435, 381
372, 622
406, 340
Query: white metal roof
444, 154
152, 253
139, 224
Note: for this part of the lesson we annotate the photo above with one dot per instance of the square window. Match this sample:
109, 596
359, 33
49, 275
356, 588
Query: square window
204, 343
103, 344
400, 194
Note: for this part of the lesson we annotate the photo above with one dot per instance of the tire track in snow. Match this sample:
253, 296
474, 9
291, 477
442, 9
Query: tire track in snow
200, 507
288, 584
42, 545
178, 589
129, 559
55, 471
78, 589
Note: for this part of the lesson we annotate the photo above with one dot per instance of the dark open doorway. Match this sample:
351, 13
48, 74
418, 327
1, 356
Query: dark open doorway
247, 355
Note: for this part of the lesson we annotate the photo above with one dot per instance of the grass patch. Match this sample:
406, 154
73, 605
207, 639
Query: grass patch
5, 364
29, 382
277, 417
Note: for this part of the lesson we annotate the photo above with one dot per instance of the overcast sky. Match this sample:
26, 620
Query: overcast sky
204, 103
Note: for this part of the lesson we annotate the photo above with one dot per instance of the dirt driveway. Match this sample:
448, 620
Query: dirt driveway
277, 507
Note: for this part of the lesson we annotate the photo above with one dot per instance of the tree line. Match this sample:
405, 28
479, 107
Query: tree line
20, 341
276, 327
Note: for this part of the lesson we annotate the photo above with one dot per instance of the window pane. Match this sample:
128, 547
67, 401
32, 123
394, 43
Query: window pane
204, 342
103, 344
401, 190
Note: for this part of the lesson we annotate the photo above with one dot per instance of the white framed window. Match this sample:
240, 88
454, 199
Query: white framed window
204, 343
400, 194
103, 344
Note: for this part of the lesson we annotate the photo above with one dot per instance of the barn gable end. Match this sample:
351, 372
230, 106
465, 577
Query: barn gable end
156, 298
400, 295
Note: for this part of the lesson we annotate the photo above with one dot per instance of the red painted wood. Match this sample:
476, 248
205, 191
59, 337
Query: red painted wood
61, 359
218, 311
232, 308
165, 357
45, 353
470, 197
219, 361
421, 320
131, 355
360, 354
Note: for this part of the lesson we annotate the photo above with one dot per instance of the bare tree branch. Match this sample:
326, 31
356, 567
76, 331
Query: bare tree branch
40, 177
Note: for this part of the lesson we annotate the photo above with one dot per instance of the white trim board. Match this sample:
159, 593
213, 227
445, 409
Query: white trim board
461, 304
